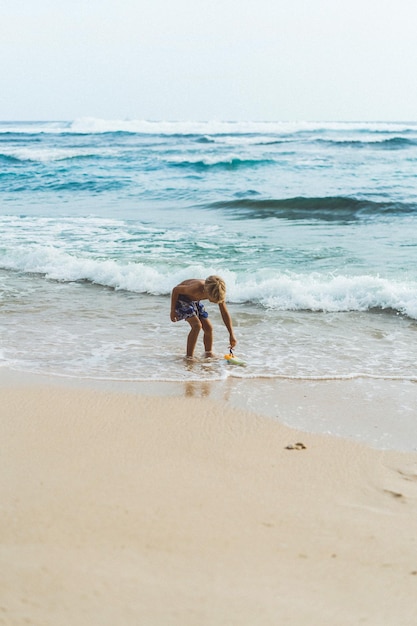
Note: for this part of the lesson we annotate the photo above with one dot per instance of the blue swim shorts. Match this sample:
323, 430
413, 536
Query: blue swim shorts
185, 308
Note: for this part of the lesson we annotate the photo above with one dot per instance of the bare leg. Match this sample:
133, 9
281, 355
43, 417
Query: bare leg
195, 324
208, 336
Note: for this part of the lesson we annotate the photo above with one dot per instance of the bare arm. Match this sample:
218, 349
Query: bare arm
227, 320
174, 296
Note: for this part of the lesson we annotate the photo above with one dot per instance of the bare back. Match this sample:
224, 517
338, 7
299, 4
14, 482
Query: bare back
193, 288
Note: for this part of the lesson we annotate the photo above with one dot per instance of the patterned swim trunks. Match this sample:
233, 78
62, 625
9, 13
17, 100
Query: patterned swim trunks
185, 308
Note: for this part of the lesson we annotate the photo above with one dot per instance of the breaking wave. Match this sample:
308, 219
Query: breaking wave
327, 208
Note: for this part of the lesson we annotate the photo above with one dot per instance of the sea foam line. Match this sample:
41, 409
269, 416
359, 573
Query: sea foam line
90, 125
95, 125
282, 291
220, 376
49, 155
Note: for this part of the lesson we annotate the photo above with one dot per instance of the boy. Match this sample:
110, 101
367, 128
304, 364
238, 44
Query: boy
186, 305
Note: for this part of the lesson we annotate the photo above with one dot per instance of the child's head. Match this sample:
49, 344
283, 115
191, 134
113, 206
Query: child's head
216, 289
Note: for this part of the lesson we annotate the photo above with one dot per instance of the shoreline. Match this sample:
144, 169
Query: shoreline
161, 509
377, 412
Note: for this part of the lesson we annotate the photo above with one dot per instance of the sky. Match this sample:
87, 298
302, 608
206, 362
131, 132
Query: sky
245, 60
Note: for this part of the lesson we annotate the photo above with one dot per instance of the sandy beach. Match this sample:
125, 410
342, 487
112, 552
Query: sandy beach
119, 508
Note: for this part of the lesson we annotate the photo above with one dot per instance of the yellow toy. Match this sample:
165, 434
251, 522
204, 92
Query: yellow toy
233, 360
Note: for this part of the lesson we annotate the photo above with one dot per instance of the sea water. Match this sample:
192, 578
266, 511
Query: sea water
312, 226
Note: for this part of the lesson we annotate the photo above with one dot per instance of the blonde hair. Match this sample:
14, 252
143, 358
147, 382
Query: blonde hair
216, 288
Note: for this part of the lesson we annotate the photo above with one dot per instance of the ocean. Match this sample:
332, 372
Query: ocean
312, 226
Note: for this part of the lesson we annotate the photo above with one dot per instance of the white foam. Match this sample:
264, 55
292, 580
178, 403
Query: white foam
48, 155
289, 291
318, 292
87, 125
214, 127
34, 128
220, 159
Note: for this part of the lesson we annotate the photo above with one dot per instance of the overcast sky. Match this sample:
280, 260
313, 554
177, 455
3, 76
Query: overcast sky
208, 59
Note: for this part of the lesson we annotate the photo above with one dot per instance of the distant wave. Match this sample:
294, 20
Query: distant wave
213, 127
205, 128
245, 139
284, 291
48, 155
390, 143
327, 208
9, 159
97, 185
220, 161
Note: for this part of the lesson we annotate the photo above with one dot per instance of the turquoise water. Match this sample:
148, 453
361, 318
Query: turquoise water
311, 225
